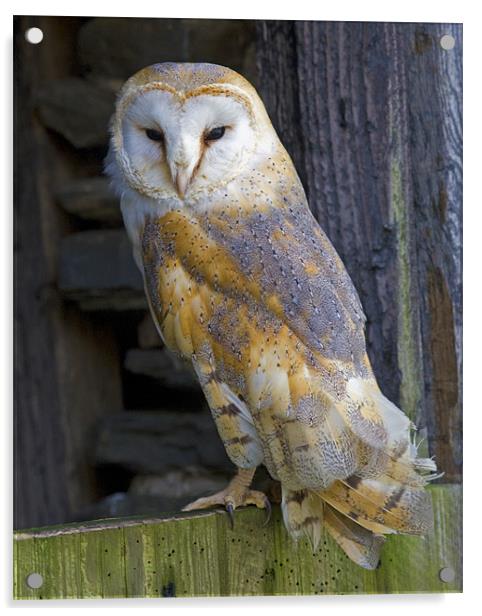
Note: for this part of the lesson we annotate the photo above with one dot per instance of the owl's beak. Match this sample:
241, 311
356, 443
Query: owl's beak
181, 178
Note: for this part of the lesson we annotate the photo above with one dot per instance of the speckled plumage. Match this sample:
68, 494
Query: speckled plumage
243, 282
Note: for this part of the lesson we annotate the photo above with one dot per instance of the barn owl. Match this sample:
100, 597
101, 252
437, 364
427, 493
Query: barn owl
242, 282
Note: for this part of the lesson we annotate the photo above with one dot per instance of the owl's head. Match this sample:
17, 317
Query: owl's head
181, 130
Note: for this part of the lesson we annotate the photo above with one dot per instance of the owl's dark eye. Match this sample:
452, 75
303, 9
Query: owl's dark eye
215, 133
154, 135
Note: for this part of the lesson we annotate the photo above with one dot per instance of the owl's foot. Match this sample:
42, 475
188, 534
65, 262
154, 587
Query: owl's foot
236, 494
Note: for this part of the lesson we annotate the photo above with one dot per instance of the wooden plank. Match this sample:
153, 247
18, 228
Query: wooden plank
198, 554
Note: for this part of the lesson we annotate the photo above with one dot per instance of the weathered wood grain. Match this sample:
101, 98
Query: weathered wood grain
199, 555
371, 115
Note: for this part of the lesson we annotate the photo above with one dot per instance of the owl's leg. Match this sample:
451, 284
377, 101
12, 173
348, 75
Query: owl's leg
236, 429
236, 494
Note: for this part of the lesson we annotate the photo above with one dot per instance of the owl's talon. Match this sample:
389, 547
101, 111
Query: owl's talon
236, 494
267, 506
230, 512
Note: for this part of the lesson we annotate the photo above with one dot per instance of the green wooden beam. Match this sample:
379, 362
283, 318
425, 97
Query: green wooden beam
198, 554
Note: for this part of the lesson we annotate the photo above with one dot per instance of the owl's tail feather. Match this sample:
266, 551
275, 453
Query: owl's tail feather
358, 513
359, 544
382, 505
304, 513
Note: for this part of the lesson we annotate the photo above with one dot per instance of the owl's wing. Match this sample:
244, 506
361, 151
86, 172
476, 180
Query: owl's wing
326, 424
299, 277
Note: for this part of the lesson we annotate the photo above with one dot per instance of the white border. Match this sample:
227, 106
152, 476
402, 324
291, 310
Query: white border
345, 10
348, 10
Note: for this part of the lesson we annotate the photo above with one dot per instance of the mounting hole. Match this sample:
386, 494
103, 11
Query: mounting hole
447, 42
34, 35
34, 580
447, 575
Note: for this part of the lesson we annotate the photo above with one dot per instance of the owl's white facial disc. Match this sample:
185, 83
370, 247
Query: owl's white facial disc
168, 148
